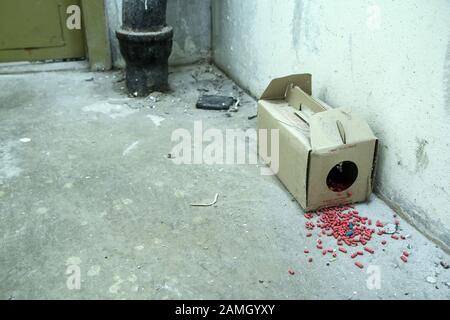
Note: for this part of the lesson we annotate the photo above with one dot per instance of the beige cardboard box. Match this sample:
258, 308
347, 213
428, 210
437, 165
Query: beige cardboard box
327, 157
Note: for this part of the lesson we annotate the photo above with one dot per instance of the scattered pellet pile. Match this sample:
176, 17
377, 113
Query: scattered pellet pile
353, 233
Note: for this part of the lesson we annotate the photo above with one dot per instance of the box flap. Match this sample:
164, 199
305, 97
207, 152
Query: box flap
299, 99
286, 117
335, 127
277, 88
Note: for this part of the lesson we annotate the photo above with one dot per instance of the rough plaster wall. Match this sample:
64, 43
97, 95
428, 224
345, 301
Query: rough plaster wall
389, 61
191, 20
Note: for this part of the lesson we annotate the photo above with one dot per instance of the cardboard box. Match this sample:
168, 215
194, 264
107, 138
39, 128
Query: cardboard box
327, 157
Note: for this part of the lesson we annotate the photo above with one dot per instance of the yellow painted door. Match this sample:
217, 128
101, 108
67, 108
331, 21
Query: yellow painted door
33, 30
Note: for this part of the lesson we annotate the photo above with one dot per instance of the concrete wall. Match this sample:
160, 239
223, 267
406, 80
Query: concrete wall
389, 61
191, 20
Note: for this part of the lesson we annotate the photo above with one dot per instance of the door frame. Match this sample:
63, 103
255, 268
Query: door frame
98, 47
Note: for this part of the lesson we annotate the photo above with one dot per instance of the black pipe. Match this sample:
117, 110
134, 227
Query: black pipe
146, 44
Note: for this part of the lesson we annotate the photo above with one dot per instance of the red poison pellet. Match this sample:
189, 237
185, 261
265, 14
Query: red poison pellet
370, 250
344, 228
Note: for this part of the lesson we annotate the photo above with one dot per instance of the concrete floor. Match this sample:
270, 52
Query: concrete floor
85, 180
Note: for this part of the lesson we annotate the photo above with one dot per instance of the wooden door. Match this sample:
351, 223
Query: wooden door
33, 30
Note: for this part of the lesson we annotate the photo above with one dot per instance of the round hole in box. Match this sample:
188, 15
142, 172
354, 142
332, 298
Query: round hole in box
342, 176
